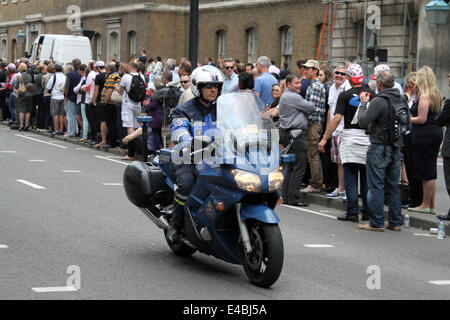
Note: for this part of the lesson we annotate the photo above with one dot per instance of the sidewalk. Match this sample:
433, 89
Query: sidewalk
417, 220
77, 142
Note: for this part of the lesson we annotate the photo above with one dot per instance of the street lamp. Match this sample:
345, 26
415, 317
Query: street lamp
437, 12
21, 36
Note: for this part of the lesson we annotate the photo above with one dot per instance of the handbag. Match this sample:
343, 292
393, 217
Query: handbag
21, 89
116, 97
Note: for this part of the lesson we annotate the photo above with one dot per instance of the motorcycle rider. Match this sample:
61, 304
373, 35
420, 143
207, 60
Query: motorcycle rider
193, 118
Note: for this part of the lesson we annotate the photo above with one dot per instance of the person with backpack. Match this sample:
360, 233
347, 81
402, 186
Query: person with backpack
133, 90
387, 119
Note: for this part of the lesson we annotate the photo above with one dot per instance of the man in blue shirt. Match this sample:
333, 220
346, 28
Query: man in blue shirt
263, 84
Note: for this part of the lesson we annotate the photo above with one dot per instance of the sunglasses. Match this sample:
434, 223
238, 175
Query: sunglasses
211, 85
229, 68
185, 81
340, 73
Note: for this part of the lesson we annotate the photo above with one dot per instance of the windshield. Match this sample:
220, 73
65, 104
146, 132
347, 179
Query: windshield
247, 130
243, 113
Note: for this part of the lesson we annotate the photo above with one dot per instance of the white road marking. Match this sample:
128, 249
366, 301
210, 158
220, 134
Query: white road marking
318, 246
30, 184
3, 246
45, 142
313, 212
440, 282
82, 149
112, 184
71, 171
54, 289
117, 161
36, 160
8, 152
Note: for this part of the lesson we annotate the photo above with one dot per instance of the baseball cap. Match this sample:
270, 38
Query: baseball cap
378, 69
11, 66
312, 64
274, 69
355, 72
100, 64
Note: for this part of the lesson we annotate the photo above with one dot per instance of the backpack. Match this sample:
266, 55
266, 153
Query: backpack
168, 98
400, 121
138, 90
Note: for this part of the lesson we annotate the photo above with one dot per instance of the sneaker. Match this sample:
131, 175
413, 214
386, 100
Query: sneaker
336, 194
310, 189
368, 227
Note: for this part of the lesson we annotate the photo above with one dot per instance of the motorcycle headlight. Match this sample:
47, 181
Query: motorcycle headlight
276, 179
247, 181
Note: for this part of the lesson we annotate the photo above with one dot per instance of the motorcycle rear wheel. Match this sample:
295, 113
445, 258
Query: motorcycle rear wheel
179, 248
264, 264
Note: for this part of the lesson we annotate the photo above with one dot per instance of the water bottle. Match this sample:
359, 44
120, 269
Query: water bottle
407, 221
441, 230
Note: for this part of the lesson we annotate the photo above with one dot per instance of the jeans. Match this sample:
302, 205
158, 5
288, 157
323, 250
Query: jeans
383, 172
85, 121
12, 108
351, 171
71, 118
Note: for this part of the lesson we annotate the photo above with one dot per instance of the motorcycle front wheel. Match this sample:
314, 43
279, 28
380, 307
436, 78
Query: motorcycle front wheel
264, 264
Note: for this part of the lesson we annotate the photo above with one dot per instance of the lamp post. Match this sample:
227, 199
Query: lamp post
193, 32
437, 13
21, 39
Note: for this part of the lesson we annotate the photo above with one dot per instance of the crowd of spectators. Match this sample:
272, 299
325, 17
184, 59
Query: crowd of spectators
92, 103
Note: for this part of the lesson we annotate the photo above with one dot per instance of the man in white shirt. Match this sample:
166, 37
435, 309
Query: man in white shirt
89, 88
130, 108
56, 86
341, 84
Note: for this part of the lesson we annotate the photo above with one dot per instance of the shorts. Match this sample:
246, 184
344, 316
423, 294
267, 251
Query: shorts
129, 116
100, 112
57, 107
336, 148
78, 109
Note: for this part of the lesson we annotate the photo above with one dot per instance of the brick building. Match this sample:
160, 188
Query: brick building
285, 30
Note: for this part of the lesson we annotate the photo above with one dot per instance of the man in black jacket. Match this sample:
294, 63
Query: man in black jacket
443, 119
383, 157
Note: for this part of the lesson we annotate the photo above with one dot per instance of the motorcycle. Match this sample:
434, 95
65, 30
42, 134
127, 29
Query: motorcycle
230, 211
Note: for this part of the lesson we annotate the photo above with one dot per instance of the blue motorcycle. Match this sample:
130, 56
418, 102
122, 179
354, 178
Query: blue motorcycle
230, 211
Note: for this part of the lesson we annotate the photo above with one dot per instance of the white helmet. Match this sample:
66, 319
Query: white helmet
204, 75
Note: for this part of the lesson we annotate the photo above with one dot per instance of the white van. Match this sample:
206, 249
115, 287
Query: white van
62, 48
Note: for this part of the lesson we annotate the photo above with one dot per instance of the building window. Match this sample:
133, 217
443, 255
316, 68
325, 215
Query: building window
98, 47
222, 43
286, 45
14, 50
114, 46
252, 38
4, 49
132, 38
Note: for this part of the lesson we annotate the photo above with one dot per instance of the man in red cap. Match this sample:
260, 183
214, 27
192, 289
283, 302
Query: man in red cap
354, 144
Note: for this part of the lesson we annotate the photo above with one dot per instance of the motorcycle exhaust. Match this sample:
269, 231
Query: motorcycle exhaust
161, 222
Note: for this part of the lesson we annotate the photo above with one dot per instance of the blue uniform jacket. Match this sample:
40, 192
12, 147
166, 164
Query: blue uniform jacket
192, 119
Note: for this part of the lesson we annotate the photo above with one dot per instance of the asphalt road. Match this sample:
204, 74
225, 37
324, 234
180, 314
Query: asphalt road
79, 221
